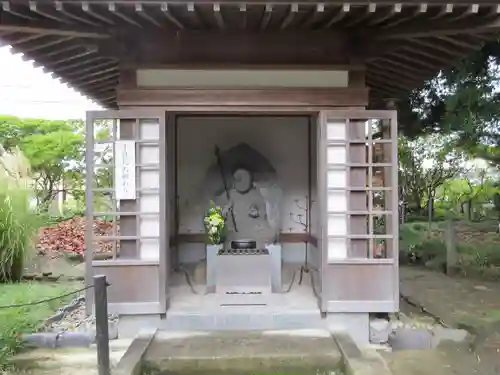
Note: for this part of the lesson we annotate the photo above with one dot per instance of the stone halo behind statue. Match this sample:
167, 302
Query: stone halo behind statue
254, 193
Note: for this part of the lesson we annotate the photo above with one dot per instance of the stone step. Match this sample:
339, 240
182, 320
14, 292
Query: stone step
304, 352
243, 318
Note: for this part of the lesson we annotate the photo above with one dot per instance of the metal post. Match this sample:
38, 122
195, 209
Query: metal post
101, 320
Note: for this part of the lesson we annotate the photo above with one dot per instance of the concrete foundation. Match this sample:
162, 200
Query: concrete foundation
357, 325
296, 310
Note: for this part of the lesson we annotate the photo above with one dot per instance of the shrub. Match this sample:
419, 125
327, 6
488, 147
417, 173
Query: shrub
16, 321
18, 222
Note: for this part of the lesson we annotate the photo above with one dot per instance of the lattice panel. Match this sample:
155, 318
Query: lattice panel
361, 163
132, 224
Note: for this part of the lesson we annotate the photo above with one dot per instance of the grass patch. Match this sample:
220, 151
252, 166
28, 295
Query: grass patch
478, 246
15, 321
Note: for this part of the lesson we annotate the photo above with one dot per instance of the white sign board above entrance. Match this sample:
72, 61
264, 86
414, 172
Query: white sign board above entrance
125, 170
238, 78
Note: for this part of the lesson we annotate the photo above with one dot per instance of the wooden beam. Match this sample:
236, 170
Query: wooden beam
59, 50
414, 61
460, 43
418, 11
64, 58
47, 13
80, 63
11, 24
170, 17
396, 9
87, 9
271, 97
471, 10
445, 10
7, 7
437, 45
292, 11
421, 29
243, 11
395, 70
318, 11
114, 10
139, 9
399, 65
99, 82
370, 11
266, 17
92, 68
344, 10
232, 47
111, 71
23, 38
59, 5
50, 42
85, 81
218, 16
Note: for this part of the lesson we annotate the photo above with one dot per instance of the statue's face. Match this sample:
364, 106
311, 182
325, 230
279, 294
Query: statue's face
242, 181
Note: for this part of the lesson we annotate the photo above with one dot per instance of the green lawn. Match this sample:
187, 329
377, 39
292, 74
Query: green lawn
15, 321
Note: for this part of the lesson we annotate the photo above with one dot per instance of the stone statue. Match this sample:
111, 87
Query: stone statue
249, 210
253, 194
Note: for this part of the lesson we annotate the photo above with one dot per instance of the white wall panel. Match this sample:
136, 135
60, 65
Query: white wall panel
149, 225
336, 156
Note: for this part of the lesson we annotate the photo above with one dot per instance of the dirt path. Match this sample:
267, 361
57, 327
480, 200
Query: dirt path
460, 303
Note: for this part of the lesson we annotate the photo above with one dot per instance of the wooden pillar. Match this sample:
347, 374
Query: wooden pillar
387, 181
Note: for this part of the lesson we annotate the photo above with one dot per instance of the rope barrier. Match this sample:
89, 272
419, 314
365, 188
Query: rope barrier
48, 299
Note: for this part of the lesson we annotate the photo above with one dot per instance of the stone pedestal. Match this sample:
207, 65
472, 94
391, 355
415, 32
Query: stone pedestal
275, 255
212, 251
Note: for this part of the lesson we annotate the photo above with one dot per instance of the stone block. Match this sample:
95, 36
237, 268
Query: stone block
442, 335
74, 340
380, 329
410, 339
41, 340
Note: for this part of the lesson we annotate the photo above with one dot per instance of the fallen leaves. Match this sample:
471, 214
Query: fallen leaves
69, 236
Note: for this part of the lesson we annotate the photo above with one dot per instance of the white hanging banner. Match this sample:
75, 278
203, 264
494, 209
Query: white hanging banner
125, 170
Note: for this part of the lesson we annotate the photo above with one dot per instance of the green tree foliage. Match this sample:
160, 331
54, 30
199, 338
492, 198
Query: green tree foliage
425, 164
55, 150
463, 100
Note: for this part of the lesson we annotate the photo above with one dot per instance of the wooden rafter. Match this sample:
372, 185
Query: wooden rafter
33, 28
170, 17
293, 9
266, 17
88, 10
50, 41
64, 58
244, 18
395, 9
59, 5
92, 68
22, 38
119, 14
47, 13
218, 16
316, 13
417, 12
7, 7
421, 29
342, 12
444, 11
372, 8
139, 9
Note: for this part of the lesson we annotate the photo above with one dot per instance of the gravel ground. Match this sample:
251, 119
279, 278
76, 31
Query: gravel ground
76, 320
